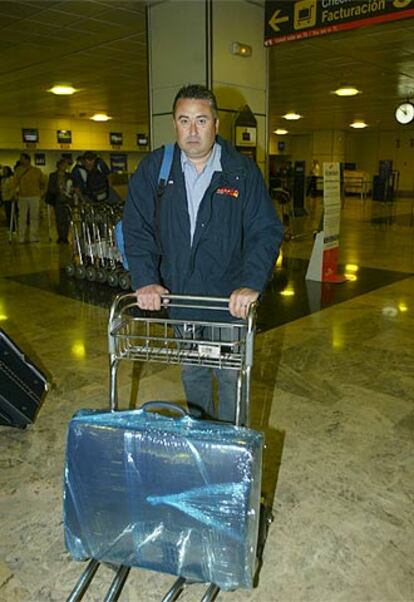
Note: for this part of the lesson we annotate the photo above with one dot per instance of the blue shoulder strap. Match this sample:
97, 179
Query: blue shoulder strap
163, 175
166, 164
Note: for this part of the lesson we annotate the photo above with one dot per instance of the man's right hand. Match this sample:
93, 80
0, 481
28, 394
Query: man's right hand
149, 297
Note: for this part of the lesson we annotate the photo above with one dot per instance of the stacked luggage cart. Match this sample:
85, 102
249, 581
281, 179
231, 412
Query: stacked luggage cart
173, 494
96, 257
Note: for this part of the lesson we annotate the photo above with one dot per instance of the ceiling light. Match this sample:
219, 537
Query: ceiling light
347, 91
101, 117
62, 90
291, 116
280, 132
358, 125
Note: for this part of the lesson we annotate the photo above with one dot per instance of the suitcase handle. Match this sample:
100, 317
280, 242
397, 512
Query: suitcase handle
164, 405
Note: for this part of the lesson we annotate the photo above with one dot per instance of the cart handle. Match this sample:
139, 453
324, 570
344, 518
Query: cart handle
190, 302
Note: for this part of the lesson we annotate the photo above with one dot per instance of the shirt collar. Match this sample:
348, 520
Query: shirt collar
213, 163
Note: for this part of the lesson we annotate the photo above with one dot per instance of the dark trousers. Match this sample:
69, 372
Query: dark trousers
312, 186
198, 380
8, 210
62, 220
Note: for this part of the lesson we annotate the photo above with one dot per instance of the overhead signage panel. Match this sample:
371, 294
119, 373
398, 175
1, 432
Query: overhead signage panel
287, 20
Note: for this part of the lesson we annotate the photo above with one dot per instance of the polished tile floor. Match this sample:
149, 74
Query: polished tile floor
333, 389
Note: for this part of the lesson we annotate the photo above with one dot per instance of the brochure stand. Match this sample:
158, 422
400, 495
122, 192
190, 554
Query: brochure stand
323, 263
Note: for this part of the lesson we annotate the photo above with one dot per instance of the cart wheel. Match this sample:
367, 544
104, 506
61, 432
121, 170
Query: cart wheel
70, 270
80, 272
124, 282
101, 275
91, 273
112, 279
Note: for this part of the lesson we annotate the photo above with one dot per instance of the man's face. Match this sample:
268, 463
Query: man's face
89, 164
24, 161
195, 126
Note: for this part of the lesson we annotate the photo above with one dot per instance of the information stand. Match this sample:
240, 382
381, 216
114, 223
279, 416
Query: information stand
323, 263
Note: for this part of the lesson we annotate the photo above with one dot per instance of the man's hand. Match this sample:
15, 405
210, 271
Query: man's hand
149, 297
240, 301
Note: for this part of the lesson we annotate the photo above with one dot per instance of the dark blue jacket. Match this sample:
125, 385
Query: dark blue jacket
237, 235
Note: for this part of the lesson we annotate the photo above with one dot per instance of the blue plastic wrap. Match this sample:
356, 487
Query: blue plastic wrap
175, 495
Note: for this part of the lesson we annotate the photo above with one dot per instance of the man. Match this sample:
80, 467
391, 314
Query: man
30, 185
213, 232
57, 196
91, 177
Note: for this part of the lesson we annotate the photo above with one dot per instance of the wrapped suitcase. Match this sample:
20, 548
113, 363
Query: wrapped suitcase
22, 385
175, 495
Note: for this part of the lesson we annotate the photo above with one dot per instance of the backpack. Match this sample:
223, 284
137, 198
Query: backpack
162, 180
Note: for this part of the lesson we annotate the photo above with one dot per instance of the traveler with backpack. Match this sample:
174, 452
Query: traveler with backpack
213, 231
91, 178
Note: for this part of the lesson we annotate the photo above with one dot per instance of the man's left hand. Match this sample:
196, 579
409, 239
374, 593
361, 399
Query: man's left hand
240, 301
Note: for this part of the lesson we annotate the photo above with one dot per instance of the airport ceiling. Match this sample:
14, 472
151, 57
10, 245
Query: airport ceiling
99, 46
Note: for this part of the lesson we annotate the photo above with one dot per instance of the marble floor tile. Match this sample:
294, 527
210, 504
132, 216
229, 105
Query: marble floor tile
333, 391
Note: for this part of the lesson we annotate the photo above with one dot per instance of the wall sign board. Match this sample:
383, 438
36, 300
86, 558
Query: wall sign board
295, 20
119, 162
116, 138
64, 136
40, 159
30, 135
142, 140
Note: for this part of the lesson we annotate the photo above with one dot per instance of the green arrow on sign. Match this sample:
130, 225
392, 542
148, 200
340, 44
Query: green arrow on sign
275, 19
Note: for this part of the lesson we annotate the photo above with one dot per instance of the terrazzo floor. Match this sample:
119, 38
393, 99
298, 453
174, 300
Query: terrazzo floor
333, 390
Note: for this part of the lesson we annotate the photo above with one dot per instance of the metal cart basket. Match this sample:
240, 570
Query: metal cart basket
157, 337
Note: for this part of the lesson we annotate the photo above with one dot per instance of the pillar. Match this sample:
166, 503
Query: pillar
190, 41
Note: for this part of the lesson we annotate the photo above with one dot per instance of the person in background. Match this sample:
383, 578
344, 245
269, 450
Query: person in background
57, 196
92, 178
214, 232
8, 192
30, 186
313, 180
79, 176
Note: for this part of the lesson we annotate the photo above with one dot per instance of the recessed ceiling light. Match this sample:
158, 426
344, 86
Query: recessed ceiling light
63, 90
280, 132
291, 116
347, 91
101, 117
358, 125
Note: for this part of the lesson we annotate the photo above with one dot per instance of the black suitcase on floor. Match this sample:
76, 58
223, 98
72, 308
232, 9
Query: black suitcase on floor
22, 385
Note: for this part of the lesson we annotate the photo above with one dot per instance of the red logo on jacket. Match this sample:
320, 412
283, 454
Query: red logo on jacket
228, 192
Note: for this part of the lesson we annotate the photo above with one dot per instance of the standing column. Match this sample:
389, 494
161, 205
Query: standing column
193, 42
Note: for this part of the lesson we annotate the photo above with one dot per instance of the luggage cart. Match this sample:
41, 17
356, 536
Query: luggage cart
95, 256
135, 337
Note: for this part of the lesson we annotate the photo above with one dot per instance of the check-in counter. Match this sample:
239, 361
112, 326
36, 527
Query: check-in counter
357, 182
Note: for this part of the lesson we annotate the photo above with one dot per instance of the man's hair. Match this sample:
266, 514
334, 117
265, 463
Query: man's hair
90, 156
26, 156
196, 91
